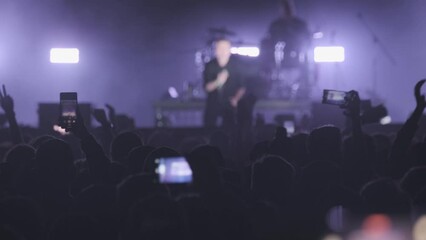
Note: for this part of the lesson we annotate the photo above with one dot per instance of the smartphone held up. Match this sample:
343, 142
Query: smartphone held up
173, 170
334, 97
68, 110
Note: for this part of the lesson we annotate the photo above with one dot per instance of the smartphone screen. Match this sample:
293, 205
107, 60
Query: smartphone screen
334, 97
68, 108
173, 170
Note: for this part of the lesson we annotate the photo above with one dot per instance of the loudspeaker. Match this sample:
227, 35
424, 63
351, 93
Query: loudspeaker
48, 115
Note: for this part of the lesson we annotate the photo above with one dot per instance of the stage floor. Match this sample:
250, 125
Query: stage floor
178, 113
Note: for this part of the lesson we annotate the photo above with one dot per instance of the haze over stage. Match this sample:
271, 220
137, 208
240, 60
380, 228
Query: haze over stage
132, 51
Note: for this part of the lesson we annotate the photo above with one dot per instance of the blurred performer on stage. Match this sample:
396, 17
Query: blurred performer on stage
224, 84
284, 50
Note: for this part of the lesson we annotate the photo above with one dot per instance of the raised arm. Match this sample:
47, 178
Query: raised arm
6, 102
95, 155
397, 162
107, 128
353, 112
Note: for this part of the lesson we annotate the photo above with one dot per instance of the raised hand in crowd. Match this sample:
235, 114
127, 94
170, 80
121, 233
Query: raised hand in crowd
400, 148
6, 102
100, 116
107, 134
95, 154
111, 114
353, 112
420, 98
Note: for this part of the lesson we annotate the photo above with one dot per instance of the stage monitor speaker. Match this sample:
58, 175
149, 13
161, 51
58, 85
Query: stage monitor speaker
323, 114
48, 114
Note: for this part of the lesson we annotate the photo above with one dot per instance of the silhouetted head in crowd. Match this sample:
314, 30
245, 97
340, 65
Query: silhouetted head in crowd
23, 217
221, 140
137, 187
419, 203
414, 181
123, 144
259, 150
266, 132
265, 219
319, 175
419, 150
74, 226
36, 142
351, 150
382, 145
150, 165
124, 123
20, 156
190, 143
299, 149
137, 157
281, 144
198, 217
99, 202
82, 180
54, 163
383, 196
162, 139
359, 164
15, 172
324, 143
272, 179
156, 217
116, 173
204, 162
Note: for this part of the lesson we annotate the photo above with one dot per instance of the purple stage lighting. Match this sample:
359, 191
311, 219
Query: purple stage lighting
329, 54
64, 55
246, 51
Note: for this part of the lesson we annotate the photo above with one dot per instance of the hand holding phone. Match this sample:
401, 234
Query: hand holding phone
334, 97
68, 110
173, 170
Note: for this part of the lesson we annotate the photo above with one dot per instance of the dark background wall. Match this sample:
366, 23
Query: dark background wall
132, 50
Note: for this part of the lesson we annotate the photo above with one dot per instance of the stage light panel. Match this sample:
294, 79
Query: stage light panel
246, 51
64, 55
329, 54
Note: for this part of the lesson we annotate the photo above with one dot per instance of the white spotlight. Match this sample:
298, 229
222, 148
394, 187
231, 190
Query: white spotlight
64, 55
246, 51
329, 54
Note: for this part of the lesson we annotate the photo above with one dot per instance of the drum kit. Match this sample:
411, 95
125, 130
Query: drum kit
281, 73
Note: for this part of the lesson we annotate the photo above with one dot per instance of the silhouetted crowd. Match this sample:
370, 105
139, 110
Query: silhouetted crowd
248, 183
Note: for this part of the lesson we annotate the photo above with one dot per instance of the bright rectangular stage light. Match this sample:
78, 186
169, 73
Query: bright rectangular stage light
329, 54
64, 55
246, 51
